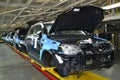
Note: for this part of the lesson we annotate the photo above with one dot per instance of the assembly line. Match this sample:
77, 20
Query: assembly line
59, 39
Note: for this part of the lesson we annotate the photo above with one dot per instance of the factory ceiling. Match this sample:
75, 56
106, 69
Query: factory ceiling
15, 13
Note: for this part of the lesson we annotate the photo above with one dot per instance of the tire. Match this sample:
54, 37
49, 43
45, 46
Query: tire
19, 48
47, 59
63, 71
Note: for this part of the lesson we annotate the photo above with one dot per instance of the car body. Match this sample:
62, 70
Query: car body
7, 37
10, 37
18, 38
4, 37
69, 43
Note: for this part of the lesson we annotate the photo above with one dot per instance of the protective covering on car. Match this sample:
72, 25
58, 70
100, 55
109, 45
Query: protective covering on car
48, 44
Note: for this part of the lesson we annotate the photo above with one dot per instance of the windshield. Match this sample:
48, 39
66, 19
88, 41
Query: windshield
64, 32
69, 32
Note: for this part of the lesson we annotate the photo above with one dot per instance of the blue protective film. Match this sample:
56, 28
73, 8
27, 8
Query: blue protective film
48, 44
102, 39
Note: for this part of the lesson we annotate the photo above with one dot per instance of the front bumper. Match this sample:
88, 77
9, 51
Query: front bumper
96, 61
83, 62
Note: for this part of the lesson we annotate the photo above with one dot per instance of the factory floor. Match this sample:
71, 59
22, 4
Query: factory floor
14, 67
113, 73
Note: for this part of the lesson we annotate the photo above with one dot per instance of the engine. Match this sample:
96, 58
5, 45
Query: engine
96, 47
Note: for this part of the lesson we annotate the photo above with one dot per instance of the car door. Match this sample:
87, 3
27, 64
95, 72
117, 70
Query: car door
16, 39
33, 41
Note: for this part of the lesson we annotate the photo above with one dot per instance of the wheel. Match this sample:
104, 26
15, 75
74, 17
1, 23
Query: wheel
47, 59
63, 71
19, 47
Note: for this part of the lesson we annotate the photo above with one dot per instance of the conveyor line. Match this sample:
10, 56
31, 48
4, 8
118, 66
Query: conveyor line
53, 75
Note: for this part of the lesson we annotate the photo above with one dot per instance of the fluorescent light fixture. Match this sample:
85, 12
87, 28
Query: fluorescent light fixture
111, 6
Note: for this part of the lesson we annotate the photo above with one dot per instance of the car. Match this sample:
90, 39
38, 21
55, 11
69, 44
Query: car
7, 39
18, 38
4, 37
69, 43
10, 37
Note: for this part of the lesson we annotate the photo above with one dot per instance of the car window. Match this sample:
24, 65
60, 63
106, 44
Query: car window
23, 32
37, 28
34, 29
48, 27
31, 31
16, 33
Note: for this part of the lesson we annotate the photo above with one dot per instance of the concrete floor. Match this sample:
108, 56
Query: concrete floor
13, 67
113, 73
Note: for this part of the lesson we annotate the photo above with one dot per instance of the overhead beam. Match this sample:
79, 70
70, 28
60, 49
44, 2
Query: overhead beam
110, 18
57, 4
41, 13
6, 12
39, 6
71, 5
27, 3
10, 14
89, 2
17, 16
105, 3
75, 3
23, 5
6, 20
10, 11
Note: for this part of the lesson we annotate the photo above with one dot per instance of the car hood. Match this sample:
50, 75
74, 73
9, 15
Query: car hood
84, 18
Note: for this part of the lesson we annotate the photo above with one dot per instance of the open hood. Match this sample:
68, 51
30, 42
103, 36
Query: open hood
84, 18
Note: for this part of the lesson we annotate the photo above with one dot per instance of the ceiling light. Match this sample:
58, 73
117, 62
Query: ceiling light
111, 6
